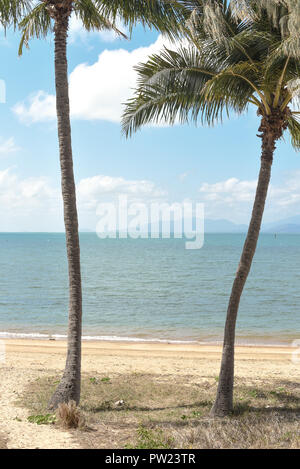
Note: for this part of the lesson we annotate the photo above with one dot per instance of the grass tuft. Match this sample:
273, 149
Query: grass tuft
69, 416
151, 439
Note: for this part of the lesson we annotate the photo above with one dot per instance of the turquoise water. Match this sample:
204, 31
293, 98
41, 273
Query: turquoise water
151, 289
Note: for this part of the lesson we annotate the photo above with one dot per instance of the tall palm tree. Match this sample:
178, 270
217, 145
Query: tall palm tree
54, 16
235, 59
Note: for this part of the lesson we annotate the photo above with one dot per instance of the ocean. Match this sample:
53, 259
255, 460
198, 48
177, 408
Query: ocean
150, 289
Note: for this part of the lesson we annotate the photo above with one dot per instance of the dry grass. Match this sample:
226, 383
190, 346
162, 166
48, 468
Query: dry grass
153, 411
69, 415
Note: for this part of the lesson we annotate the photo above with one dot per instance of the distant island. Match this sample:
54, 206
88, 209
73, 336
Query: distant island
289, 225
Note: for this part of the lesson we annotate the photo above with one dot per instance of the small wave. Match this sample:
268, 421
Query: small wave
20, 335
108, 338
246, 342
138, 339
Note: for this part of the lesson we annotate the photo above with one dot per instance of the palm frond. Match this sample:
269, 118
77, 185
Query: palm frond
92, 19
185, 86
293, 88
156, 104
166, 16
294, 130
212, 19
36, 24
236, 85
285, 16
185, 65
11, 11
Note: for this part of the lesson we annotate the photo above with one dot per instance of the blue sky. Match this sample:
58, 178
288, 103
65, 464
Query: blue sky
217, 166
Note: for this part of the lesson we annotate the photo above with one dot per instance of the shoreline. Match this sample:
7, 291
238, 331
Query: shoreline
98, 345
264, 341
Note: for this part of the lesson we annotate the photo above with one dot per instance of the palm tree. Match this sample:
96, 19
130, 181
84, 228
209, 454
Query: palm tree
54, 15
235, 59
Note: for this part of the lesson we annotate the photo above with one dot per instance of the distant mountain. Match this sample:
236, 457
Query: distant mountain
210, 226
287, 225
223, 226
288, 228
295, 220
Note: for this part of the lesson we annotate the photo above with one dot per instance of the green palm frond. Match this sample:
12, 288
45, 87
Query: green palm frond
155, 105
39, 23
181, 85
237, 84
249, 45
166, 16
36, 24
11, 11
185, 65
294, 130
188, 84
92, 19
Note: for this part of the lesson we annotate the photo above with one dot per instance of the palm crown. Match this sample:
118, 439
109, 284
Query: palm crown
233, 58
166, 16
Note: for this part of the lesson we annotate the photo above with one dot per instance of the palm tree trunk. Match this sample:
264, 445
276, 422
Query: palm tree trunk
224, 400
69, 387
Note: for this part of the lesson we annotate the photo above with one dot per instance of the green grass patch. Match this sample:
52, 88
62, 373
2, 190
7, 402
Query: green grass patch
46, 419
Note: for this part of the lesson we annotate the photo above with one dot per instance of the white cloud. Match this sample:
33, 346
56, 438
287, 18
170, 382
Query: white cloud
97, 189
30, 204
33, 204
230, 190
233, 198
38, 107
25, 194
97, 91
7, 146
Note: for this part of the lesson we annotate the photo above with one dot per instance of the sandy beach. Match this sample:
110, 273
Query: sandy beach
27, 360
